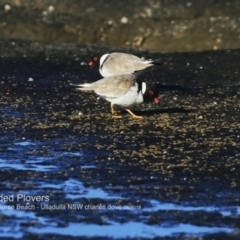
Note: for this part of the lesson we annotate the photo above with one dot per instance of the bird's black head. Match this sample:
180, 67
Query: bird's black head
94, 61
150, 93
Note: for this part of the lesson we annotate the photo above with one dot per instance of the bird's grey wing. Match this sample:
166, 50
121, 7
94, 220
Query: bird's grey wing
120, 63
115, 86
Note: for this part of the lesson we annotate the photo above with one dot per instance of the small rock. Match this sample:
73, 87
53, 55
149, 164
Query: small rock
212, 19
138, 41
30, 79
50, 9
44, 13
148, 12
7, 8
124, 20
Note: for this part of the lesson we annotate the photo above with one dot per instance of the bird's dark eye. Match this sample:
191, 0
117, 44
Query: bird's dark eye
151, 92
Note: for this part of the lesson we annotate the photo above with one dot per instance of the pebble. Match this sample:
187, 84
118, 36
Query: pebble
30, 79
50, 8
7, 8
45, 13
124, 20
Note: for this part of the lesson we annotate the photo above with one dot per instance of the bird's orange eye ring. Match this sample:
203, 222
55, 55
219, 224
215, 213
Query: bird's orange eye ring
151, 92
95, 59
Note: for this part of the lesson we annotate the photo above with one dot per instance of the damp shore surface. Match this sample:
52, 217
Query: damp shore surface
69, 170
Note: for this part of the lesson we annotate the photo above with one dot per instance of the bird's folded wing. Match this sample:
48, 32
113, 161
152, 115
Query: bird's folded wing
115, 86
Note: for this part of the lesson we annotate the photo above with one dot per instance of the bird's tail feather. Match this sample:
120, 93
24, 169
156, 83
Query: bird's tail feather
155, 62
83, 87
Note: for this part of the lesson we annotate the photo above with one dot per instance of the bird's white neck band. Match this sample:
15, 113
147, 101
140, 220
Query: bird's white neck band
144, 87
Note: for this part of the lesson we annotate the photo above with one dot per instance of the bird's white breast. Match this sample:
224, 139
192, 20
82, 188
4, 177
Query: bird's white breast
128, 99
103, 70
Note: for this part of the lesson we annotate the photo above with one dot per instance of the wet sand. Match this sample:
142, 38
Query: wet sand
68, 170
177, 169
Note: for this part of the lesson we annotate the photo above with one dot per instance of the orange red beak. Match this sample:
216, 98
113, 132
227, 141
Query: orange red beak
90, 64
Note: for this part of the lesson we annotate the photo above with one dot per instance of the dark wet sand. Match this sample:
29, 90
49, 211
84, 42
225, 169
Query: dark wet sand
185, 151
